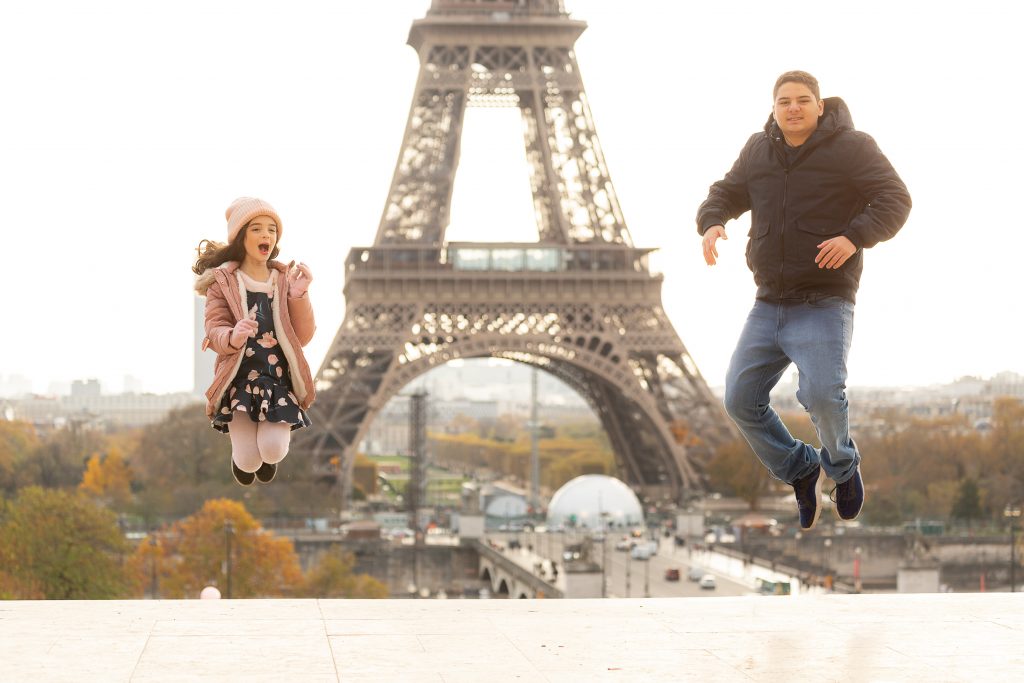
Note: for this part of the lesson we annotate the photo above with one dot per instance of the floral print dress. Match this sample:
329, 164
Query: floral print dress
262, 388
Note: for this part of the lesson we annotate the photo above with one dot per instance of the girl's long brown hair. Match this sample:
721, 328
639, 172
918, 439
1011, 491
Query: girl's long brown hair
212, 254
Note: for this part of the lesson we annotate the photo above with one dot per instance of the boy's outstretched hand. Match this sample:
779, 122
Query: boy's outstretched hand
711, 236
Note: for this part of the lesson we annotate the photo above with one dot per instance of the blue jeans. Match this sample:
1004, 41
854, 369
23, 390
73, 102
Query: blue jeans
815, 335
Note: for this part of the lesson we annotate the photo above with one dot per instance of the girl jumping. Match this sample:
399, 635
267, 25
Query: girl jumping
262, 386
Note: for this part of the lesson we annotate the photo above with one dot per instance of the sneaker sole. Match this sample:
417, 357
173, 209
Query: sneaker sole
817, 497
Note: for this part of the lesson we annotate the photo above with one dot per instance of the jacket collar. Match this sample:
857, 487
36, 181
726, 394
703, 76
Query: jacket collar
230, 267
834, 119
224, 271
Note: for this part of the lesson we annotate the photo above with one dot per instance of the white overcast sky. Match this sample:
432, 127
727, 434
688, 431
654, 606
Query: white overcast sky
127, 127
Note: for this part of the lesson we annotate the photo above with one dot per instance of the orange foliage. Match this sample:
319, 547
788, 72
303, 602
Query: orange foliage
108, 479
192, 553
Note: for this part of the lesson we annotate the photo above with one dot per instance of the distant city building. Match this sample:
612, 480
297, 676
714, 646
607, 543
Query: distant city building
14, 386
444, 411
203, 361
971, 397
88, 406
85, 388
388, 434
1007, 384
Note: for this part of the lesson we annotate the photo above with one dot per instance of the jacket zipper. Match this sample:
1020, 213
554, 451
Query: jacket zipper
782, 235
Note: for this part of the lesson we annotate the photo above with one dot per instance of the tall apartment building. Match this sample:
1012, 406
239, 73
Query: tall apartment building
203, 361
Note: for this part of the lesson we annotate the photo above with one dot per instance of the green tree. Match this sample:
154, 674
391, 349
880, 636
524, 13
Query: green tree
333, 577
967, 505
61, 545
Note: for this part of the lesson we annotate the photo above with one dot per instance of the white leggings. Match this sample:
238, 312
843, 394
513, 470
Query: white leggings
253, 444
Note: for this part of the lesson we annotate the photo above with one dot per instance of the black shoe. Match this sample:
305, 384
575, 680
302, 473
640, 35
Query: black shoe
808, 498
243, 478
849, 497
266, 472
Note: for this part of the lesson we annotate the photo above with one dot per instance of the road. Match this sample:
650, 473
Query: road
626, 577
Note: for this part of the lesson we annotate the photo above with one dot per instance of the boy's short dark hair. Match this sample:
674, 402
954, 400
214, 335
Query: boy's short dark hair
798, 77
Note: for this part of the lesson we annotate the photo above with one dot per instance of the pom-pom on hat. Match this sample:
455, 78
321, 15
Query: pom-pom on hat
243, 210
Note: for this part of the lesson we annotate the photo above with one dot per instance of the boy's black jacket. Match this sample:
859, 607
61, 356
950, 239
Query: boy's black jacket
836, 183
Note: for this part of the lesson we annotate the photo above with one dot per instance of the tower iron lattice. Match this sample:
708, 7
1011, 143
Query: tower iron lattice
580, 303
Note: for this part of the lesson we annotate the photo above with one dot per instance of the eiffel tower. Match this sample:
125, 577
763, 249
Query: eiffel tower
580, 303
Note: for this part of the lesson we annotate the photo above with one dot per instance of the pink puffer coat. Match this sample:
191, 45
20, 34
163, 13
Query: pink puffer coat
226, 304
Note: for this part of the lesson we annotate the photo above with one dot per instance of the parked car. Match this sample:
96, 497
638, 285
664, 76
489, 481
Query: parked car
672, 574
707, 582
644, 551
695, 573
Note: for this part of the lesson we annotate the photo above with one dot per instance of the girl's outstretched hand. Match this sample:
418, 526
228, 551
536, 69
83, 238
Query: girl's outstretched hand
299, 278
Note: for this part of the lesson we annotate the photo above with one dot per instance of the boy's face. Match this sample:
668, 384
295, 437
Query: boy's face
260, 238
797, 110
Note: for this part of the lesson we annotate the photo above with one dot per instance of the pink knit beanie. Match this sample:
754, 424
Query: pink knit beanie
243, 210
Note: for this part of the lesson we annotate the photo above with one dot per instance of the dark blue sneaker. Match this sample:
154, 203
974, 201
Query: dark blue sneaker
808, 498
849, 497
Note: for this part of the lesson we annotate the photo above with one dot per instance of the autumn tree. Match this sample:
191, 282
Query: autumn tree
364, 474
18, 440
60, 545
1003, 477
193, 553
181, 462
333, 577
735, 470
108, 479
59, 458
18, 588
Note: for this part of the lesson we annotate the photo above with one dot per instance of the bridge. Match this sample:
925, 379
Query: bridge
518, 572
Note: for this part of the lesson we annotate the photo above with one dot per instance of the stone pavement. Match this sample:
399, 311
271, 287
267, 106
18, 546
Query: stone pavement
849, 638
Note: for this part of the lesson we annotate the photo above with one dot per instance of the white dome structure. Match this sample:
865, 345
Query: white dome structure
588, 498
508, 507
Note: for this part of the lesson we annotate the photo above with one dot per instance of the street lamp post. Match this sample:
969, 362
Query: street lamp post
629, 556
229, 529
828, 570
1012, 513
857, 586
152, 578
604, 550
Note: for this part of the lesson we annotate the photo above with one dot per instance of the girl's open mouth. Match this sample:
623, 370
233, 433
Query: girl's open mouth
264, 249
